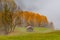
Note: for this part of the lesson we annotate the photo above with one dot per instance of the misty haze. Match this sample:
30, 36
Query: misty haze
29, 20
49, 8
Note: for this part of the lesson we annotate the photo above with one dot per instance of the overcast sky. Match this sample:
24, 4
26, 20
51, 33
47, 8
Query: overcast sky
49, 8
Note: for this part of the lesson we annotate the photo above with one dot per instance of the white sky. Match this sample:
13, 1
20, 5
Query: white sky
49, 8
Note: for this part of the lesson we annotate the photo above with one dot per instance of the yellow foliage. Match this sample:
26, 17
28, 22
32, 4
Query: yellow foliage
44, 19
32, 17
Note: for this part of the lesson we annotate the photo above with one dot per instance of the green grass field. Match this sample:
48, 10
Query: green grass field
37, 34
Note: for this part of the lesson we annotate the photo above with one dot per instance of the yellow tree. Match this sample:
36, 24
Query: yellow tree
44, 20
38, 18
7, 14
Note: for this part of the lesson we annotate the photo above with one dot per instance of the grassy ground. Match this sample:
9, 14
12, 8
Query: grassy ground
37, 34
23, 31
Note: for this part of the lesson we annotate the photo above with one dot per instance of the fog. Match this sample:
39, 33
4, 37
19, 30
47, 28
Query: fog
49, 8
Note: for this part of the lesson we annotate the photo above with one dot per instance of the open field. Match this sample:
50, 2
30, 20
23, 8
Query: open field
37, 34
23, 31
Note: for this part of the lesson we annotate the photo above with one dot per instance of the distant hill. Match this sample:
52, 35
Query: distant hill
31, 18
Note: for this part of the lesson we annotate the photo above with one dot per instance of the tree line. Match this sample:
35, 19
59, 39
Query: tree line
25, 18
